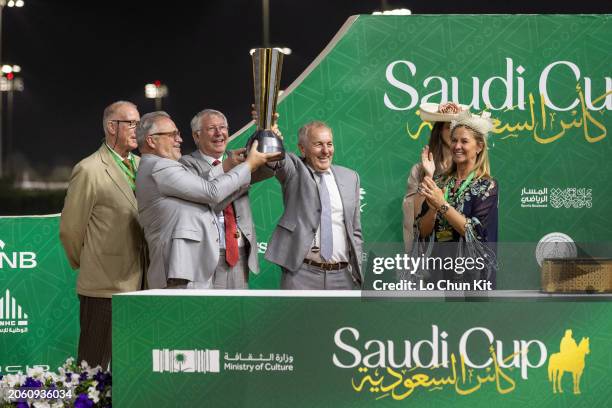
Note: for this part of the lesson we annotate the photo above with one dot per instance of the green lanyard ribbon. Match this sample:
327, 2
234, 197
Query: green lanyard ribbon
459, 192
130, 174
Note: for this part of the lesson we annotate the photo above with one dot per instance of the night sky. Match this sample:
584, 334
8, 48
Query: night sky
79, 56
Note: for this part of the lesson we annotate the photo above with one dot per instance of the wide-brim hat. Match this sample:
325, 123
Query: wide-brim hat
443, 112
481, 123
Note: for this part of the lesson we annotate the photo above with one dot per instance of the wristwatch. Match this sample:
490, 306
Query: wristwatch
443, 209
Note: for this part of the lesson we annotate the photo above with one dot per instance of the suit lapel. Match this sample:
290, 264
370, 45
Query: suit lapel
204, 164
113, 171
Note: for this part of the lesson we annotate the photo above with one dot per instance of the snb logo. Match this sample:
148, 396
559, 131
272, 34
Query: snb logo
186, 361
16, 260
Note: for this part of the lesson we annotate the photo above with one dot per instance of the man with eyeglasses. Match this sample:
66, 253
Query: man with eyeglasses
99, 229
236, 232
176, 206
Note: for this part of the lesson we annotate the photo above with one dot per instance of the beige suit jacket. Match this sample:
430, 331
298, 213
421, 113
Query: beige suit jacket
99, 228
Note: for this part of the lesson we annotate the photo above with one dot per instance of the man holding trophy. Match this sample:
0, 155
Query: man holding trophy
317, 242
236, 232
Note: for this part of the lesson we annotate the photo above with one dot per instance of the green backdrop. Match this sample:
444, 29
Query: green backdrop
230, 333
367, 84
43, 286
363, 87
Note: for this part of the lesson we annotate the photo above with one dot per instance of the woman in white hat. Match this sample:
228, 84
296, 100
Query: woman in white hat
461, 204
438, 150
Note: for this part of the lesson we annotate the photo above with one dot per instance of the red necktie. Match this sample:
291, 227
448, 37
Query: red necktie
231, 240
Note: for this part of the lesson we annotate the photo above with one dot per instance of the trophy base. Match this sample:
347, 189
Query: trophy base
268, 142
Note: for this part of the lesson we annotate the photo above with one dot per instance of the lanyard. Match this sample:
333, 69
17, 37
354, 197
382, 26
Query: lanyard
462, 188
129, 174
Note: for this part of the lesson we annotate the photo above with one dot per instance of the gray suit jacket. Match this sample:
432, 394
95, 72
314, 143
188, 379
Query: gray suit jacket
292, 237
174, 208
198, 165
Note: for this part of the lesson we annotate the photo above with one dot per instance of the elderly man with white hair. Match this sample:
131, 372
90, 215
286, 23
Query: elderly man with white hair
236, 234
100, 232
317, 242
174, 205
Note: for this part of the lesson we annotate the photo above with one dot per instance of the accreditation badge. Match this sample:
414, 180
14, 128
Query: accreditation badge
444, 235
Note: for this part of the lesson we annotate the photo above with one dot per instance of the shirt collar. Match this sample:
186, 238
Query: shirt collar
313, 171
210, 159
113, 152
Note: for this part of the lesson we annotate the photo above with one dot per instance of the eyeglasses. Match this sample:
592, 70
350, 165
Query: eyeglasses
211, 129
175, 134
131, 123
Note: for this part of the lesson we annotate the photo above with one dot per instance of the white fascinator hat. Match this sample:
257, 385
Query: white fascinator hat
444, 112
482, 123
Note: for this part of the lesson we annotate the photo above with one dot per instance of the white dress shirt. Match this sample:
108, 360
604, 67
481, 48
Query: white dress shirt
340, 251
220, 216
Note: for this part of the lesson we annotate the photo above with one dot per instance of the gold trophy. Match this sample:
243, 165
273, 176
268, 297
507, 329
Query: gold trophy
267, 65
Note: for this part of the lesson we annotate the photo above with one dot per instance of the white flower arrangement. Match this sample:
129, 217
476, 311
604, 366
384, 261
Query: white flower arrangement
74, 386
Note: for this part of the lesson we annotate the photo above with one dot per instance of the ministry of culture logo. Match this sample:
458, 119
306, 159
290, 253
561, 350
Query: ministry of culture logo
185, 361
571, 197
209, 361
555, 245
569, 359
12, 317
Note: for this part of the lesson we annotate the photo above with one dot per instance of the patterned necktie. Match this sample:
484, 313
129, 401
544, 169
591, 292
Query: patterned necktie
327, 239
231, 232
130, 174
128, 164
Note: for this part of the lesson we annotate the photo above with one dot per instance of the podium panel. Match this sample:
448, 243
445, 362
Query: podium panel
337, 349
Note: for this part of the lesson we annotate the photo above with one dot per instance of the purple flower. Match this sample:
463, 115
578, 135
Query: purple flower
68, 377
100, 377
22, 404
83, 376
83, 402
103, 379
32, 383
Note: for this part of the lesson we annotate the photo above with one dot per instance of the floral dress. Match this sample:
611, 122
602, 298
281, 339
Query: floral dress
478, 203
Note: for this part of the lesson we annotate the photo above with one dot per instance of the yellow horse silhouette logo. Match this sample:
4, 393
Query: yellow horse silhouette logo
570, 358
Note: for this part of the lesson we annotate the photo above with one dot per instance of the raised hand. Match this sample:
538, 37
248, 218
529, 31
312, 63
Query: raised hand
275, 128
234, 158
428, 162
432, 193
256, 159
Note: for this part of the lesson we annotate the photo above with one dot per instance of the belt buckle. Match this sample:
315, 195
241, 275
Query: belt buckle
327, 266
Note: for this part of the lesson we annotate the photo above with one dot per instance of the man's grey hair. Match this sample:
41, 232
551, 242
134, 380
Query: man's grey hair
111, 110
304, 131
196, 122
147, 125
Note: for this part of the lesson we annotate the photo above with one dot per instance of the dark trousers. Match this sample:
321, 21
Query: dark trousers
95, 338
